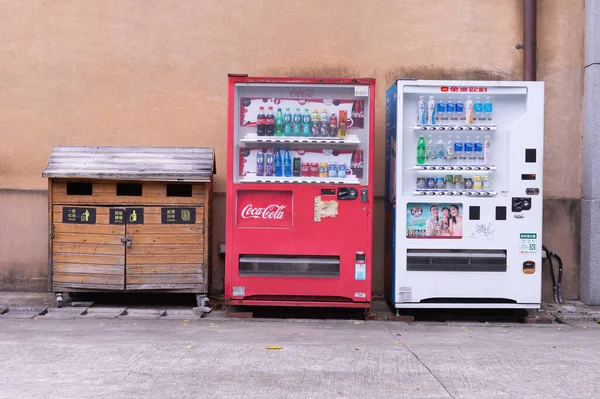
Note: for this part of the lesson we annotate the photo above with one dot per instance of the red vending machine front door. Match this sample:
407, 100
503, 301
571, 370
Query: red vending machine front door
299, 197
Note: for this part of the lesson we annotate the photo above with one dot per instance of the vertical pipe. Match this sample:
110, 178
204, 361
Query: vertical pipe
529, 39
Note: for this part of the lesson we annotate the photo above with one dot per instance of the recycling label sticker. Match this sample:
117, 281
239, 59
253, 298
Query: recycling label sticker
528, 243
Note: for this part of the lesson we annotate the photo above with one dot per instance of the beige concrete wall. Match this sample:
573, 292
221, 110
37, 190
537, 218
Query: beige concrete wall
154, 72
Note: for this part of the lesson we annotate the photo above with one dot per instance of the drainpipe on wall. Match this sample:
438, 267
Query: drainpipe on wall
529, 45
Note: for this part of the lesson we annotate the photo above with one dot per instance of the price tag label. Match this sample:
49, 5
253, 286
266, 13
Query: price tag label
528, 243
361, 91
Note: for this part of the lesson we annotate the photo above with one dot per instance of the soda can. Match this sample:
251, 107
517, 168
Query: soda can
305, 169
410, 232
477, 183
440, 183
341, 170
487, 182
314, 169
458, 183
323, 171
430, 181
333, 169
449, 182
468, 183
421, 183
297, 166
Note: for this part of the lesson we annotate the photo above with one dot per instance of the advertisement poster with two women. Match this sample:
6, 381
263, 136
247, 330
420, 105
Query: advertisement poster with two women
439, 220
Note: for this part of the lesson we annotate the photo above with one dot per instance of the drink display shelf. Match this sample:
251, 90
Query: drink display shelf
462, 168
455, 128
300, 180
255, 139
464, 193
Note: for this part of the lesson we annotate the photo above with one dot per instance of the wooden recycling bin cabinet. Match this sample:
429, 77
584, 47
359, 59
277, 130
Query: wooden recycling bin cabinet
130, 219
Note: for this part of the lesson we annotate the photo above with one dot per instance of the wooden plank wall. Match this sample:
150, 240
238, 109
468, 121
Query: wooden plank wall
87, 256
105, 193
161, 256
169, 257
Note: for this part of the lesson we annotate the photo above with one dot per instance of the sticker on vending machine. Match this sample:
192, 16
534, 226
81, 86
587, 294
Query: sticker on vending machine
528, 243
360, 271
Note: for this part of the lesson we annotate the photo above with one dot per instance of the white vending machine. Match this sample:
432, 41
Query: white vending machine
464, 194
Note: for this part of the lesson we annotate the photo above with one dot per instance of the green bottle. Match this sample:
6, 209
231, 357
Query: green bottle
279, 123
421, 151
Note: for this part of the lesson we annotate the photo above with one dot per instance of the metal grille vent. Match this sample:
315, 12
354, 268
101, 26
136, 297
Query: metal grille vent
456, 261
289, 266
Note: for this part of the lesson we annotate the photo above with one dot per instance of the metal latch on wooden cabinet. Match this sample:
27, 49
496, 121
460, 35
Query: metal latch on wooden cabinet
126, 241
52, 231
202, 227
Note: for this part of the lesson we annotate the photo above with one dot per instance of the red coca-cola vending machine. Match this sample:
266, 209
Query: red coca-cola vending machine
299, 192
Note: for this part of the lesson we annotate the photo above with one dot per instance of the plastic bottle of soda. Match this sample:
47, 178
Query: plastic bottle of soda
324, 127
261, 122
343, 125
333, 125
431, 117
260, 163
287, 120
450, 111
306, 123
278, 163
287, 163
469, 111
279, 123
421, 151
315, 121
270, 123
297, 123
269, 162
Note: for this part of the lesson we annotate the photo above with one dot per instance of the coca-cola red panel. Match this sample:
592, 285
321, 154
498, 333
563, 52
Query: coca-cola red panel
271, 209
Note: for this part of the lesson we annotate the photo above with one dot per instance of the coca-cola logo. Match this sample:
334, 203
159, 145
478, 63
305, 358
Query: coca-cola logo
271, 211
301, 93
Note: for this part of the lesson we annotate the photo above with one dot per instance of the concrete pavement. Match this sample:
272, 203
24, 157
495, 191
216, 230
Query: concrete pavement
161, 358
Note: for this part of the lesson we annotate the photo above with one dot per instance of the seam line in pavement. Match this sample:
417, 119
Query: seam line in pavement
424, 365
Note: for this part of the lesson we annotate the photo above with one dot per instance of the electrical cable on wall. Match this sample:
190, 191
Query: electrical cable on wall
556, 280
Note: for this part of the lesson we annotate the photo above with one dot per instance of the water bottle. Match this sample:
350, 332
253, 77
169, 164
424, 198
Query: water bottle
440, 151
450, 112
430, 151
468, 150
278, 163
287, 163
459, 151
487, 110
449, 150
287, 120
478, 150
421, 111
487, 150
297, 123
478, 110
306, 123
440, 110
459, 111
431, 117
